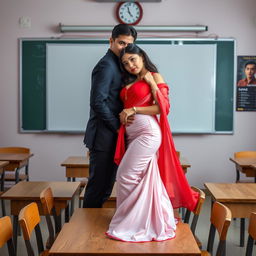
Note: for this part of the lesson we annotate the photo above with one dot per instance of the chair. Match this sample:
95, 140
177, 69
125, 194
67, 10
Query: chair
6, 234
14, 174
251, 234
47, 201
244, 154
196, 213
220, 221
29, 220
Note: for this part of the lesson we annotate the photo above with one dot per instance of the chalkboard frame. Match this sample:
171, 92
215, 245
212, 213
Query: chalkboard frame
32, 118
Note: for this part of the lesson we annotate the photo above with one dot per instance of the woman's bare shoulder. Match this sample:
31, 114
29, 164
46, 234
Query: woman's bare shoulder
158, 78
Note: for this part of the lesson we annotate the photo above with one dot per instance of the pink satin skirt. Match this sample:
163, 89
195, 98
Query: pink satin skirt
144, 211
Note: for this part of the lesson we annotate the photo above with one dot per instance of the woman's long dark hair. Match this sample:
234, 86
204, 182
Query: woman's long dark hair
134, 49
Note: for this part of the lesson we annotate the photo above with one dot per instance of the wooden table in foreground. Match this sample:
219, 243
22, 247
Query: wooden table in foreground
78, 166
245, 165
85, 235
240, 198
26, 192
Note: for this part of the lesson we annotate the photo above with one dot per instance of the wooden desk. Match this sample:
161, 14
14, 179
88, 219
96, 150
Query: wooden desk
244, 165
184, 164
240, 198
85, 235
3, 164
253, 166
78, 166
16, 162
26, 192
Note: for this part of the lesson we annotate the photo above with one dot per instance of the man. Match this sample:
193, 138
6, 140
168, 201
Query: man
102, 127
250, 71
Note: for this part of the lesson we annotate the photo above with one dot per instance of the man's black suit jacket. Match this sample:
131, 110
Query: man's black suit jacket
105, 104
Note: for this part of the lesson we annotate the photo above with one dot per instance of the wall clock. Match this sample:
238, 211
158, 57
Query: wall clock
129, 12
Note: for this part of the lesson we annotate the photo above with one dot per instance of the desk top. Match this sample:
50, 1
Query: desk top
233, 192
253, 166
76, 161
244, 162
3, 163
14, 157
85, 234
30, 190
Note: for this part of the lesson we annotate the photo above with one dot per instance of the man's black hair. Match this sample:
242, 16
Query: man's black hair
250, 63
124, 29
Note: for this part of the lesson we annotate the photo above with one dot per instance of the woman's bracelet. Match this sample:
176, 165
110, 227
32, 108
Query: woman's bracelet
135, 110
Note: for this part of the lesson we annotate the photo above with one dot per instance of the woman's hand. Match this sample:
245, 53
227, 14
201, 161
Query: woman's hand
127, 116
149, 78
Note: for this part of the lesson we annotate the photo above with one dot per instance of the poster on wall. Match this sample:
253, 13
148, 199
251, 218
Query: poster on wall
246, 83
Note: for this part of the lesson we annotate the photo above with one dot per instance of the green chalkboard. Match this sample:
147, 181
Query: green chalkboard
33, 73
33, 81
33, 102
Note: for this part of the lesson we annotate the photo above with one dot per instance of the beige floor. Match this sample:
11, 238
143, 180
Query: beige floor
233, 248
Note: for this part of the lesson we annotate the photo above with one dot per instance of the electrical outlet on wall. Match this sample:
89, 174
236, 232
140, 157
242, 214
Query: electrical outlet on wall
25, 22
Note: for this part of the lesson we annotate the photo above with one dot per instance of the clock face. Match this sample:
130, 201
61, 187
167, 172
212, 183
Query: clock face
129, 13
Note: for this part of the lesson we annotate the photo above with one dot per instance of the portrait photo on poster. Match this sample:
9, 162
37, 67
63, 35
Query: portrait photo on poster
246, 83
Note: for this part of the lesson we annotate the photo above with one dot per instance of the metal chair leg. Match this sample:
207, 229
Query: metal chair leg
3, 207
242, 229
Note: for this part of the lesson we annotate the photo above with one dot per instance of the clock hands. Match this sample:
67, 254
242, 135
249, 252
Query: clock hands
129, 11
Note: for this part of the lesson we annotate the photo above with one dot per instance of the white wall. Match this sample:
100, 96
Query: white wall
208, 154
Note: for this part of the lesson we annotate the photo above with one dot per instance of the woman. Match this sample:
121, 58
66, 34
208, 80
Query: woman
150, 180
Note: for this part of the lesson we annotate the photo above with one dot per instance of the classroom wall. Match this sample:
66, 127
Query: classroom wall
208, 154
